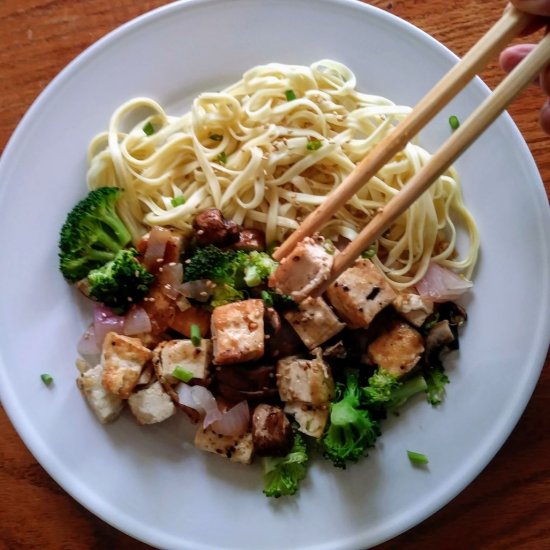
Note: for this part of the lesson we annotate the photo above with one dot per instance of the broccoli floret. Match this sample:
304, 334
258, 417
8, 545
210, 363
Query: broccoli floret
351, 430
92, 234
380, 387
436, 380
385, 391
233, 271
210, 262
258, 266
282, 475
225, 294
121, 282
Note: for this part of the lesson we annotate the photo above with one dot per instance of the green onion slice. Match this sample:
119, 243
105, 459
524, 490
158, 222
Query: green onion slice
290, 95
313, 145
370, 252
215, 137
417, 458
222, 157
177, 201
46, 378
181, 374
454, 122
148, 129
195, 335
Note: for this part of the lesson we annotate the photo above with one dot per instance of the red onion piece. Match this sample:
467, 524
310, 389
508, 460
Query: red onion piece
170, 279
106, 321
136, 322
87, 344
200, 399
233, 422
441, 285
156, 247
199, 290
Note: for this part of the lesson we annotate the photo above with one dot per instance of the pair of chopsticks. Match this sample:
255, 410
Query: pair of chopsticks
503, 31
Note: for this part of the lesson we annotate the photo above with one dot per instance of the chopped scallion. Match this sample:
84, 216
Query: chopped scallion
46, 378
222, 157
432, 321
313, 145
267, 298
181, 374
370, 252
195, 332
148, 129
454, 122
177, 201
290, 95
417, 458
215, 137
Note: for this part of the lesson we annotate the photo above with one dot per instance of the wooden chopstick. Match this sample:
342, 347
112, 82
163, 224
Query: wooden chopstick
507, 27
459, 141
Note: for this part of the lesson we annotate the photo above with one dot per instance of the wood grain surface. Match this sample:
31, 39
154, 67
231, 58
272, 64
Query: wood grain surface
507, 506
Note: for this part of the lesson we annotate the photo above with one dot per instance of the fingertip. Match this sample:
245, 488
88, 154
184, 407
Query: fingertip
536, 7
512, 55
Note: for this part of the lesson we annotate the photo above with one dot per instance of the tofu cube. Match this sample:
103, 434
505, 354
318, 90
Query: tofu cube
311, 420
106, 406
314, 322
305, 380
398, 349
235, 448
122, 359
151, 405
360, 293
271, 431
238, 332
182, 353
413, 308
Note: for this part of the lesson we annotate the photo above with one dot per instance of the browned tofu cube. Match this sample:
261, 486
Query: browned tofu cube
304, 269
360, 293
235, 448
151, 405
314, 322
238, 332
413, 308
182, 353
122, 360
398, 349
311, 420
271, 431
305, 380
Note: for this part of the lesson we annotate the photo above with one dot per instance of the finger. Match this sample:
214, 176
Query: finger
545, 117
511, 56
536, 7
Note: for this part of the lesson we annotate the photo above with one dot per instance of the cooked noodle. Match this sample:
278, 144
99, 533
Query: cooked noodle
267, 160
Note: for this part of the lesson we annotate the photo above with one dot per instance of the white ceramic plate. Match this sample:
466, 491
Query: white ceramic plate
151, 482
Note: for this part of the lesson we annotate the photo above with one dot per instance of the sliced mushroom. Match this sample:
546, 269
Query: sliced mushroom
238, 382
271, 431
440, 335
212, 228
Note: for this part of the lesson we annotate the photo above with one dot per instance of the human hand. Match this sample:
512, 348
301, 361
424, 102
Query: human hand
511, 56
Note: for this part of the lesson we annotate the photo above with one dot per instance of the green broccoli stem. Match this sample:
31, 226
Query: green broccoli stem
115, 224
406, 390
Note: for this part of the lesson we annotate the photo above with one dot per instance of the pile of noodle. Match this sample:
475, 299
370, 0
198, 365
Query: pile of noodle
266, 151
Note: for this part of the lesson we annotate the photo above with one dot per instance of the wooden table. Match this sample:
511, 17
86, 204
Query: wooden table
507, 506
